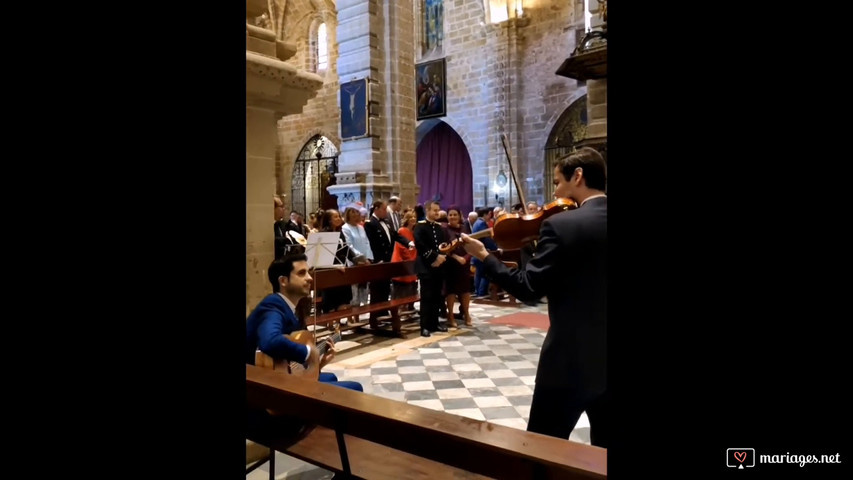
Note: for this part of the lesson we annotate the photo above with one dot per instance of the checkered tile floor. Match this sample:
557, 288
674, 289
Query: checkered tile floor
486, 372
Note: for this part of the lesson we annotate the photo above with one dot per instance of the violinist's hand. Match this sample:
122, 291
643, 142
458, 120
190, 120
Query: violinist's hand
459, 259
474, 247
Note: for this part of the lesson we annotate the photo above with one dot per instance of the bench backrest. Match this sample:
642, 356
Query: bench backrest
336, 277
473, 445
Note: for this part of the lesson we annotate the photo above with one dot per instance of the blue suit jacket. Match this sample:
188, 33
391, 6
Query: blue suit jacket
490, 244
266, 327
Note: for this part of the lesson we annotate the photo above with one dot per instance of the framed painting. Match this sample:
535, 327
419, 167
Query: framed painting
354, 118
430, 79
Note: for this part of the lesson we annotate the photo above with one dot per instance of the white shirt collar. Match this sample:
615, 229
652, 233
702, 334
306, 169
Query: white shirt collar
289, 303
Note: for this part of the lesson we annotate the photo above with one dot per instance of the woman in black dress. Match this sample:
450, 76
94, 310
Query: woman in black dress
457, 270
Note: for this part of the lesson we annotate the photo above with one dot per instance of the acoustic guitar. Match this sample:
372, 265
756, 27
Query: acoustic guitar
302, 337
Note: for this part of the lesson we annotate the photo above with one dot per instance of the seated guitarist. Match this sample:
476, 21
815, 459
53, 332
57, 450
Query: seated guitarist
273, 318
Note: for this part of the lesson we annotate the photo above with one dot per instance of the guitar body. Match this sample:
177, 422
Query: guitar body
302, 337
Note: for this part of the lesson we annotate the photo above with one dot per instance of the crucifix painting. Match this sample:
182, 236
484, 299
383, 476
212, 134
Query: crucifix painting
354, 109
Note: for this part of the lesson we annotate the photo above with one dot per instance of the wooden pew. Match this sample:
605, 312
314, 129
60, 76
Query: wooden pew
497, 296
364, 436
336, 277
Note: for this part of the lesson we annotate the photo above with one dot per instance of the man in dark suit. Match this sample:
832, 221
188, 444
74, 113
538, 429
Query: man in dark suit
428, 266
279, 228
570, 268
395, 219
296, 224
381, 237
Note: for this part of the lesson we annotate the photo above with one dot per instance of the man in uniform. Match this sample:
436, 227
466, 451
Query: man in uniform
428, 236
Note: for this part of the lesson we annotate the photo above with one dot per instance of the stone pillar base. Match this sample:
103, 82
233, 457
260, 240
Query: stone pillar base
366, 188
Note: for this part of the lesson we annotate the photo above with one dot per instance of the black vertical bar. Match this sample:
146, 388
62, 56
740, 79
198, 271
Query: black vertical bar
342, 447
272, 464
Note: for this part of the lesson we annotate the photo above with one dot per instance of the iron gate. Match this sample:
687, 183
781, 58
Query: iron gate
313, 171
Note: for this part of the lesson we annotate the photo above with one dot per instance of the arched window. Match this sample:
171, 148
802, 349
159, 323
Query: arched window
322, 48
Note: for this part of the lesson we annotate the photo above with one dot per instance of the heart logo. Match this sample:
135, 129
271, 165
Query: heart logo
740, 456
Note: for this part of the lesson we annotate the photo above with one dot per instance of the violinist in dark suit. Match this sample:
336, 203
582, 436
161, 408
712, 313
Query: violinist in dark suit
382, 237
570, 268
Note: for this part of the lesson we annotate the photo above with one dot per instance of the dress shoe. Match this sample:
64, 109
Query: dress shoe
441, 328
425, 332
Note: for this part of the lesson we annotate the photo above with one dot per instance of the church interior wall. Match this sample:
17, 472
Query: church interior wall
500, 78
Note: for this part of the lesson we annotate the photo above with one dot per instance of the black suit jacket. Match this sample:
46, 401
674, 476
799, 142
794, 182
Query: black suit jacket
570, 268
281, 241
300, 229
379, 244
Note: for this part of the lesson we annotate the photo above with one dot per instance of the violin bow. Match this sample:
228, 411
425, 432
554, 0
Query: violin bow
505, 142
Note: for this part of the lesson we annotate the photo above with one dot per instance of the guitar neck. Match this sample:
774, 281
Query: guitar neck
324, 345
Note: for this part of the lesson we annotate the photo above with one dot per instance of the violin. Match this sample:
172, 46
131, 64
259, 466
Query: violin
514, 230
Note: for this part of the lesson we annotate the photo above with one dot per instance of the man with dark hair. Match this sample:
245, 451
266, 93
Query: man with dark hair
381, 238
274, 318
570, 268
428, 236
395, 219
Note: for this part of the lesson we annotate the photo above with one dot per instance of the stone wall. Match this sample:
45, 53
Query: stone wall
321, 116
500, 79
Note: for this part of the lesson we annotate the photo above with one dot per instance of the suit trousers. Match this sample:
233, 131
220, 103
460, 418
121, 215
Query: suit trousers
380, 291
555, 412
431, 301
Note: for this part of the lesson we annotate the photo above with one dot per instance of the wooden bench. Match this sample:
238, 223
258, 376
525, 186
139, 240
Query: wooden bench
497, 296
336, 277
364, 436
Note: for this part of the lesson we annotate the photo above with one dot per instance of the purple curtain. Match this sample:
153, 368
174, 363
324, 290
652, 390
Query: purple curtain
444, 169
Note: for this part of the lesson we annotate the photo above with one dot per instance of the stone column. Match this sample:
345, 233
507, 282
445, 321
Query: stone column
596, 104
273, 89
507, 116
596, 131
375, 42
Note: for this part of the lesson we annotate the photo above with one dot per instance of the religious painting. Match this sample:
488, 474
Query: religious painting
430, 78
354, 109
432, 16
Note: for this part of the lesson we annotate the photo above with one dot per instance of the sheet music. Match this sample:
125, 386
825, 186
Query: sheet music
321, 249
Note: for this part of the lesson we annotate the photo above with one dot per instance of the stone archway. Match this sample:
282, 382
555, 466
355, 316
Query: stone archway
568, 130
313, 171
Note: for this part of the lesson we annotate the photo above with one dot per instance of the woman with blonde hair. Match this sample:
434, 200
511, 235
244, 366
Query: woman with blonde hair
358, 242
